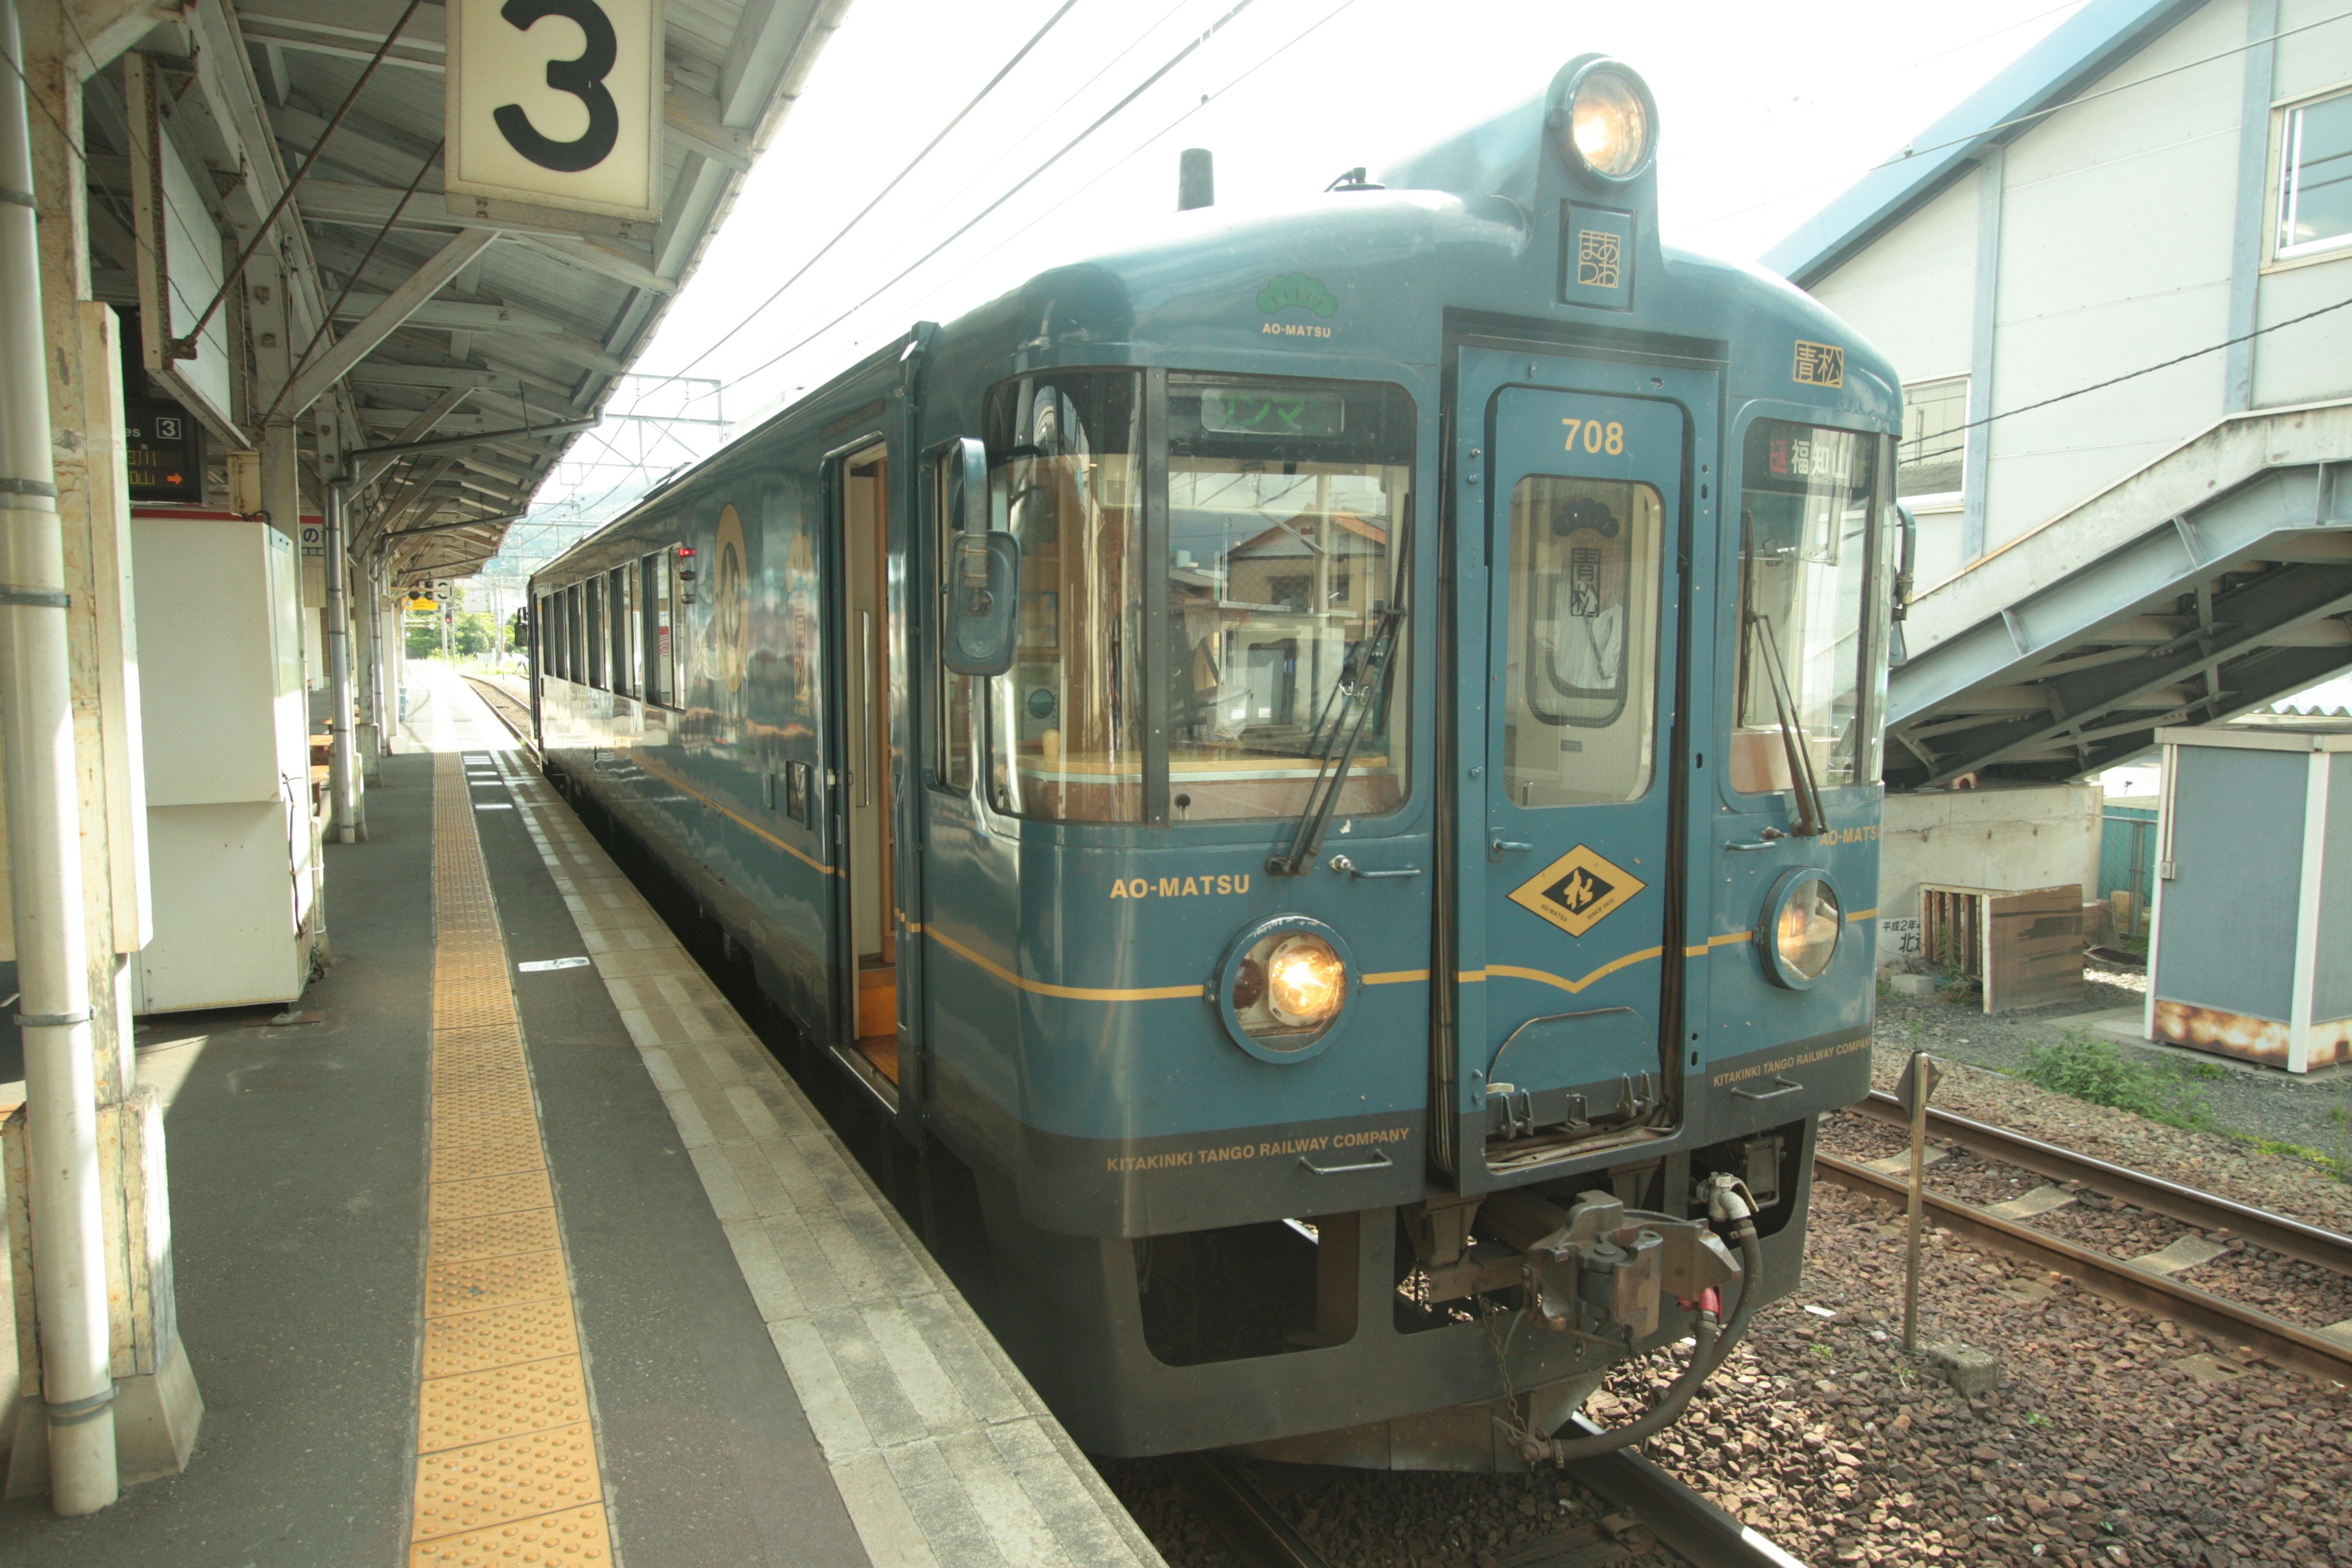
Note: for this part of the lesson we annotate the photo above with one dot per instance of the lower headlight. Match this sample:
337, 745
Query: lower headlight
1306, 981
1804, 919
1283, 987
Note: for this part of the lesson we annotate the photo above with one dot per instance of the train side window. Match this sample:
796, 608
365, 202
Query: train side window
1581, 640
575, 617
593, 600
653, 574
1065, 723
952, 759
624, 601
1809, 513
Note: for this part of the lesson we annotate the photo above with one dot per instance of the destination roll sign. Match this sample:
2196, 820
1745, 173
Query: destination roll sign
554, 113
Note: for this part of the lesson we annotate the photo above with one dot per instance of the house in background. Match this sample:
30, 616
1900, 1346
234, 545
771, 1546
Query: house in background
2117, 283
2154, 179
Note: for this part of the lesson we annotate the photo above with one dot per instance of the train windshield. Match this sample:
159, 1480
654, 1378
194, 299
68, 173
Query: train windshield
1813, 598
1288, 502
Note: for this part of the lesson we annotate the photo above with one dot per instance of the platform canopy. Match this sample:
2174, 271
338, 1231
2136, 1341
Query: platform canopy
467, 349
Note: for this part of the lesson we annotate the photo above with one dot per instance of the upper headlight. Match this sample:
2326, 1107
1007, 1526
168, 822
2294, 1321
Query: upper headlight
1608, 123
1283, 987
1806, 920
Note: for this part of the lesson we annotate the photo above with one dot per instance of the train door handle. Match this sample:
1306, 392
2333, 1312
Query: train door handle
1347, 868
1764, 840
1378, 1162
1502, 847
1780, 1086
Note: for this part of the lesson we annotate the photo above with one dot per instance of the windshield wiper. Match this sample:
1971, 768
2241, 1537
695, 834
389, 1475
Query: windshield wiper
1809, 818
1349, 709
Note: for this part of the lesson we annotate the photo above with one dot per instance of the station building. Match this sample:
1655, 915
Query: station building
2118, 282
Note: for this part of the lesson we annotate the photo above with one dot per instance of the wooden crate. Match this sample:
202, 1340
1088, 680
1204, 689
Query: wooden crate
2024, 950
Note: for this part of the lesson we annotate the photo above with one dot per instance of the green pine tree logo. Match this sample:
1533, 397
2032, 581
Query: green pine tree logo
1298, 288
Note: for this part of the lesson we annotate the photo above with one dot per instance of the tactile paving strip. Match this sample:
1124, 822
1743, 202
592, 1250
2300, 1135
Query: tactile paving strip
505, 1478
507, 1468
575, 1535
503, 1336
503, 1401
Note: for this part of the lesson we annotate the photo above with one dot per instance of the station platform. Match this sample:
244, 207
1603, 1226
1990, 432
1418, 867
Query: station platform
503, 1258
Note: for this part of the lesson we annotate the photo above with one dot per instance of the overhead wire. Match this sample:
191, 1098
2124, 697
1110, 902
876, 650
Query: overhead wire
1016, 189
2117, 380
1108, 170
895, 180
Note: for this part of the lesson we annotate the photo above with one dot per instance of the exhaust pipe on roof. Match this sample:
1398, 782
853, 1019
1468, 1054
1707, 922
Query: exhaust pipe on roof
1196, 179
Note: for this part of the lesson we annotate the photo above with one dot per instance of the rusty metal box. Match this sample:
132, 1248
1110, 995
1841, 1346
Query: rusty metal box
2253, 894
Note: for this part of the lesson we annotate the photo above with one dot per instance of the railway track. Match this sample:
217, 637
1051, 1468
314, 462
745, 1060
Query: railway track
508, 708
1684, 1521
2219, 1317
2206, 1211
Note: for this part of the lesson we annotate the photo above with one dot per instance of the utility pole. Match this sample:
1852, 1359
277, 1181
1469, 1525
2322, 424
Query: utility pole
37, 726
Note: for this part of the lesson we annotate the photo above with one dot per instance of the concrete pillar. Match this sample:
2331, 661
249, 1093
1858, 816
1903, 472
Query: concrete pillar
157, 1407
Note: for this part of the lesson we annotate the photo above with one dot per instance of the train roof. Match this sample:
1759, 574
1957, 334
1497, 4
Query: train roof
1361, 280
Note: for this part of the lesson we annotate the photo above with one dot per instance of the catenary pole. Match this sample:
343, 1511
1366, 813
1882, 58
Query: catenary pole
45, 861
343, 759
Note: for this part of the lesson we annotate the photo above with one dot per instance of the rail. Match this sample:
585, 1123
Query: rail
2275, 1337
2206, 1211
1683, 1520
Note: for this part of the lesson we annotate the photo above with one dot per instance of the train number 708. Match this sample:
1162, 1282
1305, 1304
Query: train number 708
1598, 437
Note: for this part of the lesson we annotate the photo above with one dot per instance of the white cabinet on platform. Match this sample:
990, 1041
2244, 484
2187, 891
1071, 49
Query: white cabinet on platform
229, 838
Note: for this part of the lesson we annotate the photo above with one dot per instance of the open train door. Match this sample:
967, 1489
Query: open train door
1572, 501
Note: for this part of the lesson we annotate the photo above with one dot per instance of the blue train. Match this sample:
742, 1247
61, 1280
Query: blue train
1331, 760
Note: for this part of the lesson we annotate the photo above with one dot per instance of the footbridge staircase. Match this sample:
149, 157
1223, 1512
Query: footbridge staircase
2216, 580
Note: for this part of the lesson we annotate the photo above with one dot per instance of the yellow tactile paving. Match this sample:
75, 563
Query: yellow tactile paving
464, 1162
575, 1535
508, 1479
501, 1401
491, 1194
507, 1470
490, 1235
501, 1336
468, 1284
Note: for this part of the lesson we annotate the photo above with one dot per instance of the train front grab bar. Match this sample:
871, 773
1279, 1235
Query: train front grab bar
1378, 1162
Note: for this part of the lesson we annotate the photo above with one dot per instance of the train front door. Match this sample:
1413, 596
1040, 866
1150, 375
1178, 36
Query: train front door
1568, 822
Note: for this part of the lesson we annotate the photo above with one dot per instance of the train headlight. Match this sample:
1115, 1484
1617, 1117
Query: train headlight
1306, 981
1607, 121
1283, 986
1803, 921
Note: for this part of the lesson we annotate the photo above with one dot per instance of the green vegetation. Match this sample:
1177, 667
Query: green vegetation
2330, 1164
472, 633
2095, 1070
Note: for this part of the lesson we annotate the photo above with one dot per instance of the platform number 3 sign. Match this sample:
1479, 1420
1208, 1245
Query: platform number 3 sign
554, 113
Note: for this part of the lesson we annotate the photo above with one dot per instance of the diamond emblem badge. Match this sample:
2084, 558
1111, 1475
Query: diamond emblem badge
1578, 891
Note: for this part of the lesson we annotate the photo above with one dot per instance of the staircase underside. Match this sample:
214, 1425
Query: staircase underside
2216, 580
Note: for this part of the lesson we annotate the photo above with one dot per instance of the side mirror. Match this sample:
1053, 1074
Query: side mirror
983, 574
